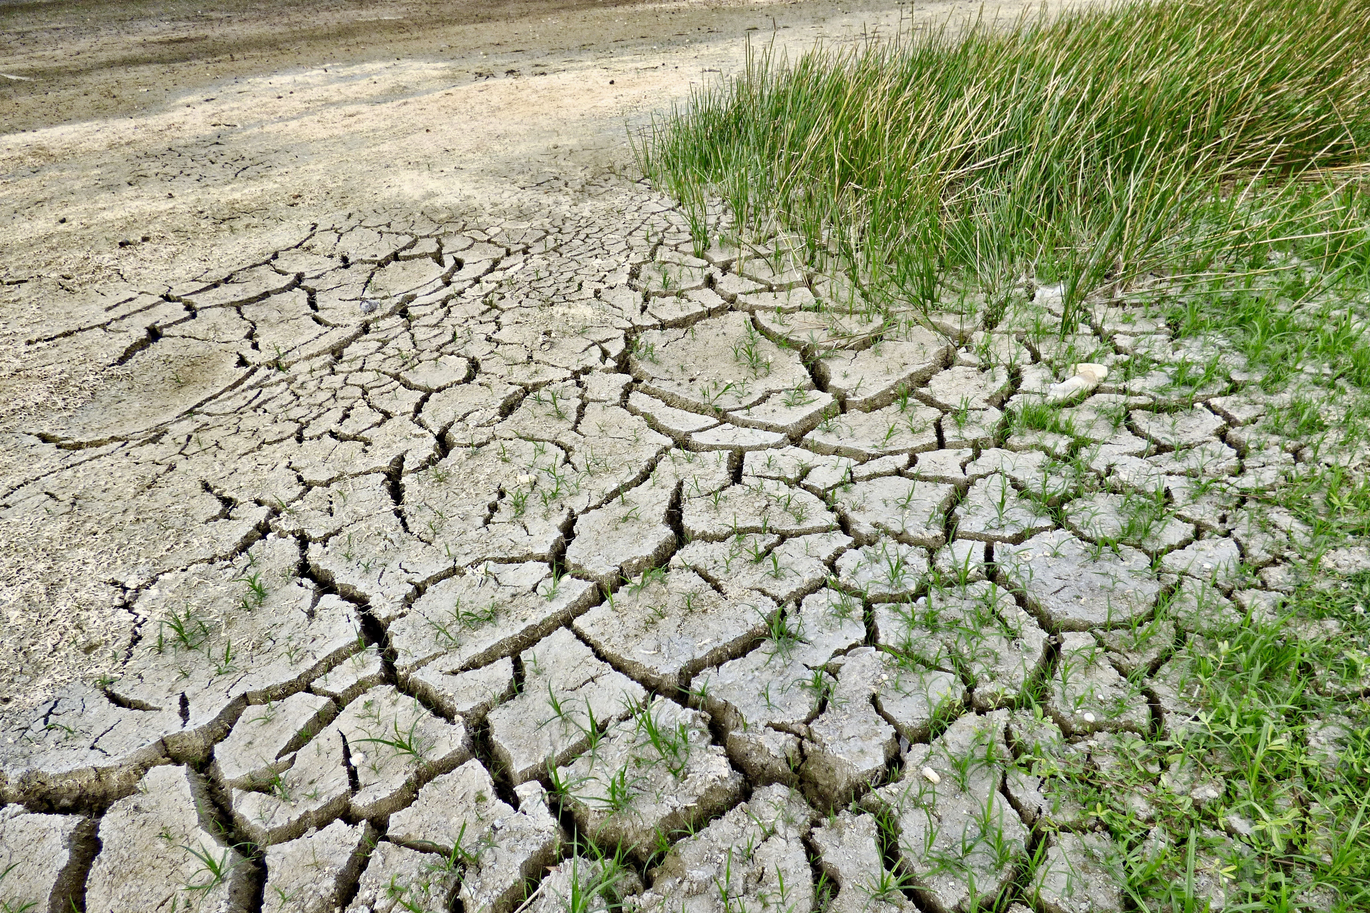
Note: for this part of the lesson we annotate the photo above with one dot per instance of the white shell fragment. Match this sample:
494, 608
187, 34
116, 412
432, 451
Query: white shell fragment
931, 776
1085, 378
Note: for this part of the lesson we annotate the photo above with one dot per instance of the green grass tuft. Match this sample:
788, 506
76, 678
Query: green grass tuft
1089, 149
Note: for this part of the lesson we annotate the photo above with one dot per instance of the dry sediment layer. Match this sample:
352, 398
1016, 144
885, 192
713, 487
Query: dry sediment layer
385, 559
444, 517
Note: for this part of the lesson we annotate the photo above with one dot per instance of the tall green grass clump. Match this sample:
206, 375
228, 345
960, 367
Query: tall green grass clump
1089, 148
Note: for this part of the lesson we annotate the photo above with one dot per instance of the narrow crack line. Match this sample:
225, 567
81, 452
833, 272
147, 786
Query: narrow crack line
67, 334
55, 441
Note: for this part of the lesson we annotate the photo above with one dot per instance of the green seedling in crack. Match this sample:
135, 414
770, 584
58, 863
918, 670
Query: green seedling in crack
463, 853
560, 788
406, 743
619, 791
749, 351
780, 630
9, 905
672, 743
213, 868
223, 662
889, 887
599, 889
820, 686
256, 590
188, 629
592, 729
277, 786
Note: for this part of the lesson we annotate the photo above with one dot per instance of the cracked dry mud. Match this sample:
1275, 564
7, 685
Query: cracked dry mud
505, 517
433, 551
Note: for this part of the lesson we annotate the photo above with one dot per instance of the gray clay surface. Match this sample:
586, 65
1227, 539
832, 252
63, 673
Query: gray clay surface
386, 539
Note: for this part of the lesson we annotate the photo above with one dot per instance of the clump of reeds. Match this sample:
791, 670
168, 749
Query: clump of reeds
1087, 148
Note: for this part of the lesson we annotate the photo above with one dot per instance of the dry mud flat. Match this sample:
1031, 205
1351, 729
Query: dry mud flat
478, 540
406, 561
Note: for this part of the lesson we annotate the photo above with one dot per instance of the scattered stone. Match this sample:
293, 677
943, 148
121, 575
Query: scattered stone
960, 838
1088, 695
1083, 379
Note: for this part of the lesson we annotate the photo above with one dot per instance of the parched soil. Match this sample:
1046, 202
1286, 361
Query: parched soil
396, 505
152, 145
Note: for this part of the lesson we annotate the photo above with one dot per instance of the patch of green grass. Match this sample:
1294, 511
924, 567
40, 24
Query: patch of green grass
1281, 742
1092, 148
599, 880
